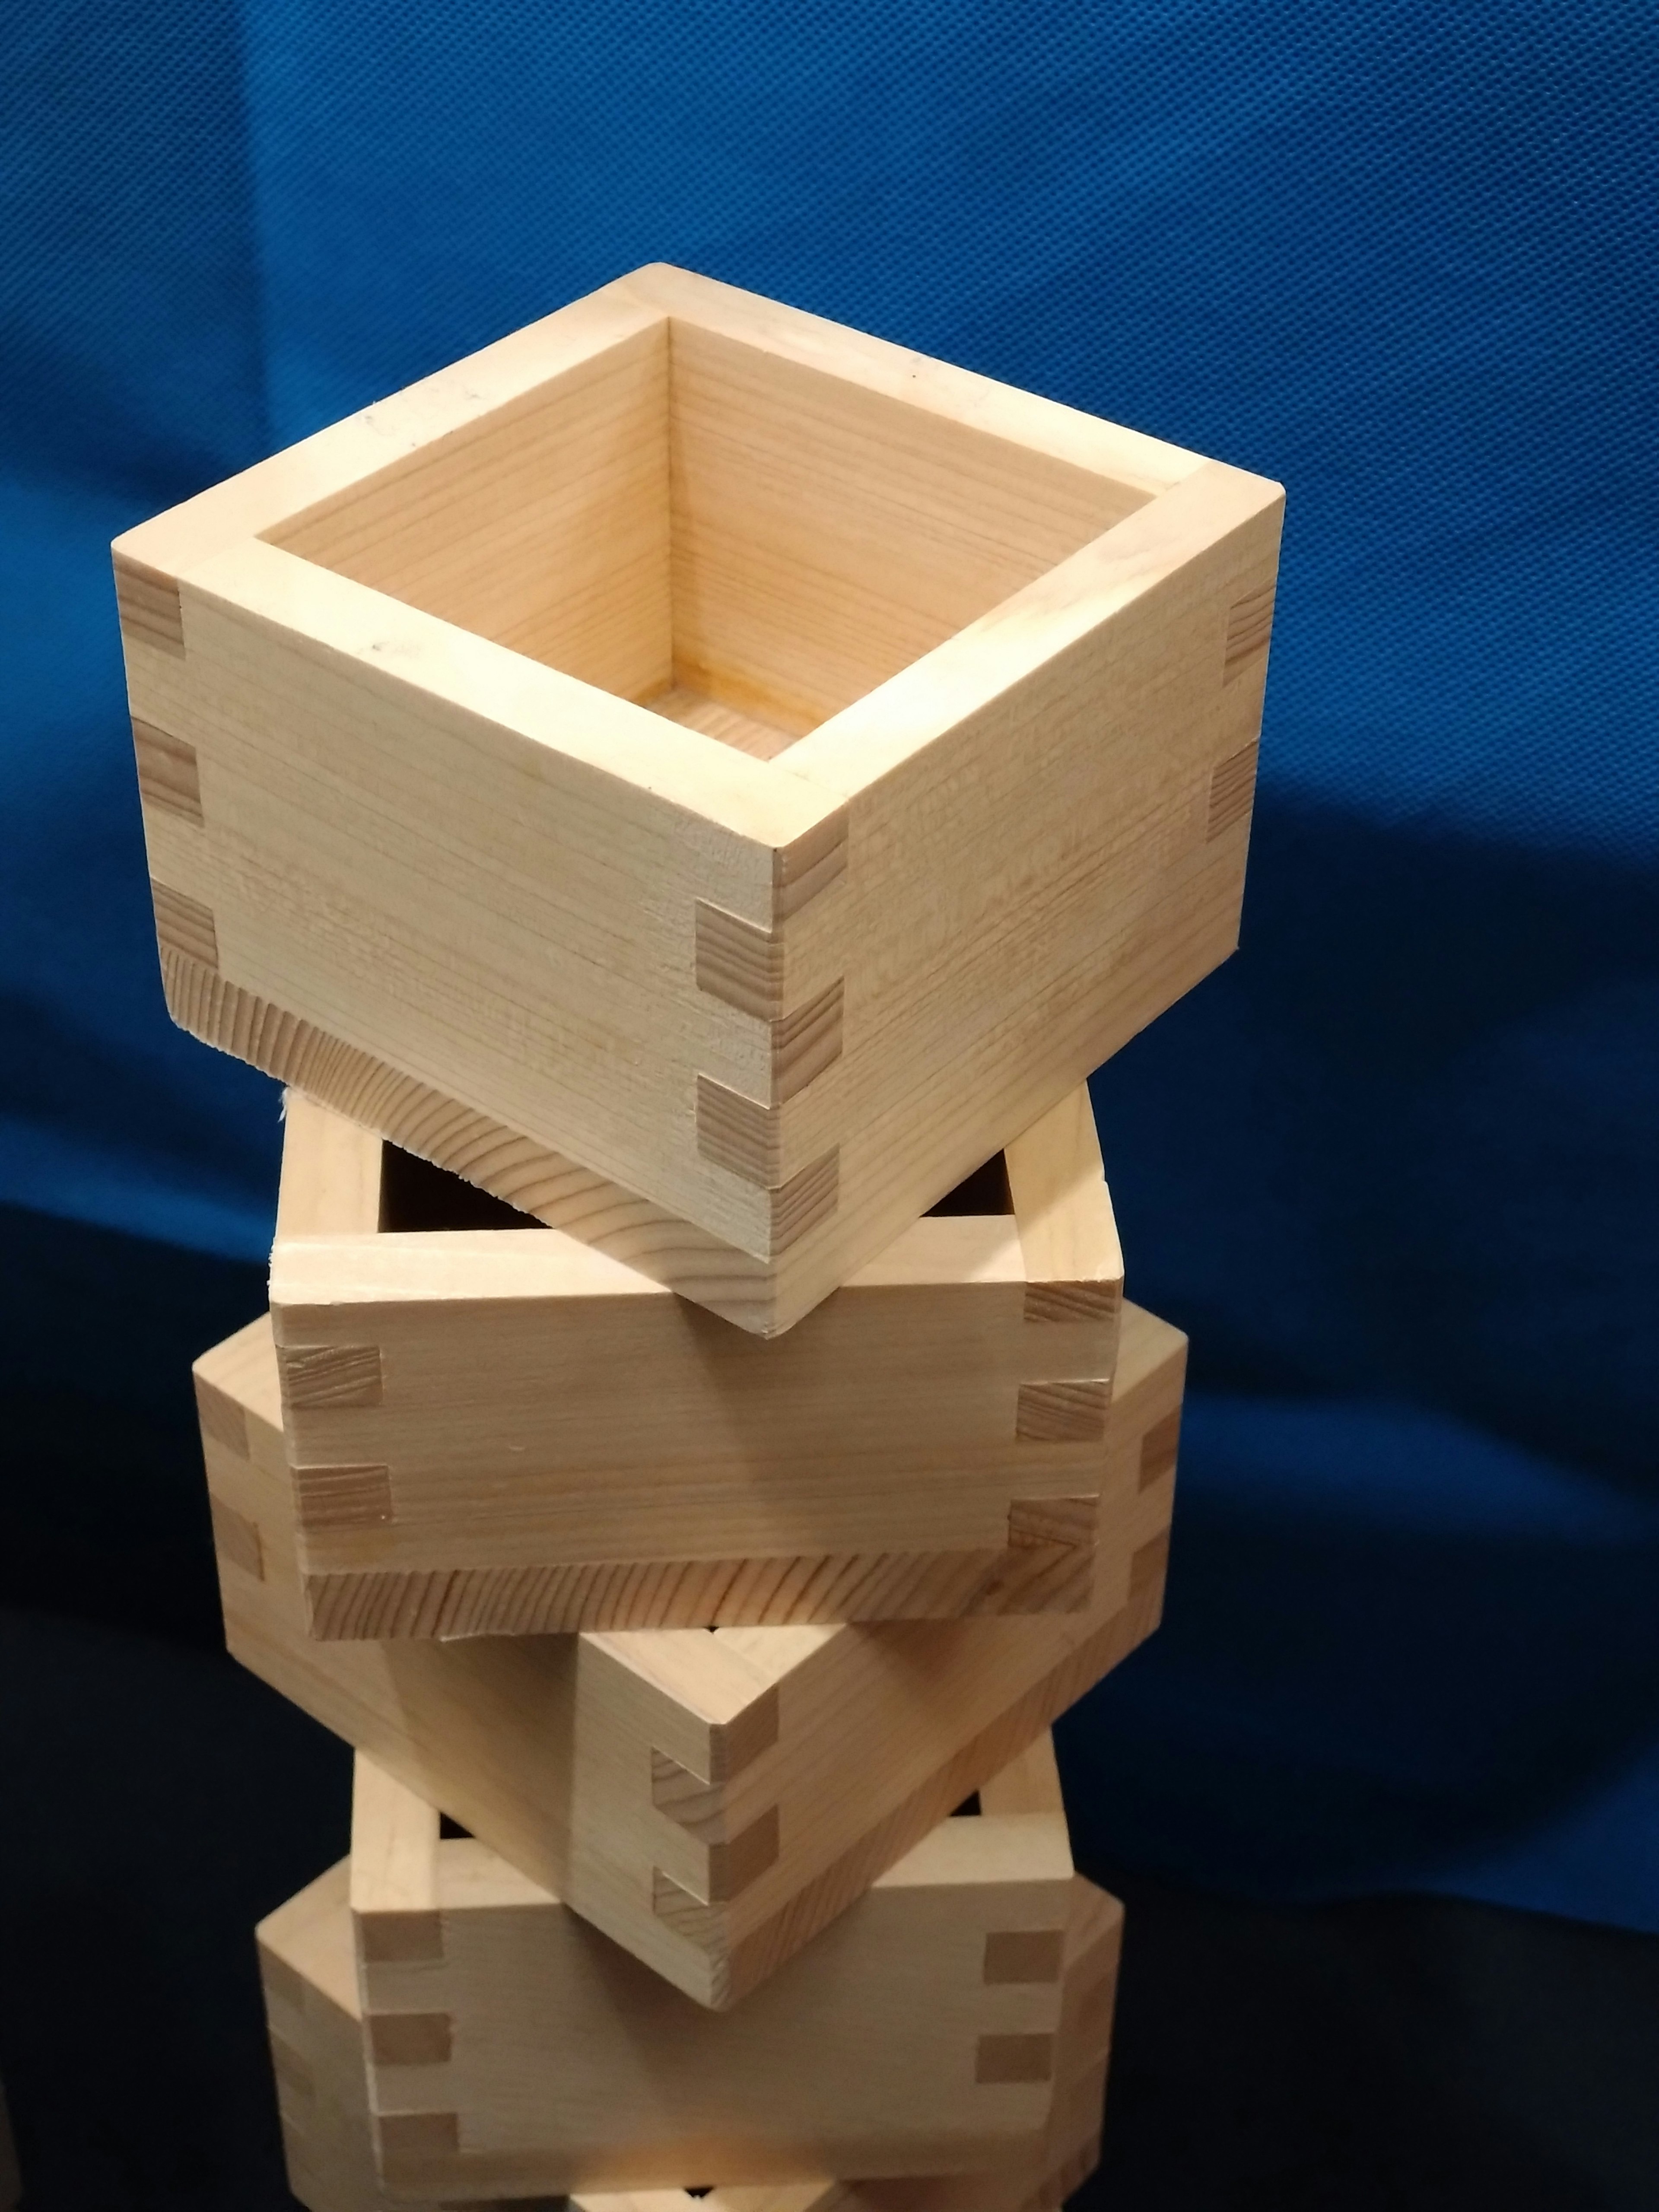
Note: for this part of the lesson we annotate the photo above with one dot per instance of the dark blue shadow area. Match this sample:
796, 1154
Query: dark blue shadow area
103, 1509
1404, 1143
1392, 1645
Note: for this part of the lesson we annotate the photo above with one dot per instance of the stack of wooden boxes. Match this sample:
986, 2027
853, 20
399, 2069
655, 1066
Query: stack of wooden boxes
684, 799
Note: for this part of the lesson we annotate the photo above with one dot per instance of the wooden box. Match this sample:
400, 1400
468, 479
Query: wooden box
498, 1430
710, 1799
512, 2049
709, 777
315, 2011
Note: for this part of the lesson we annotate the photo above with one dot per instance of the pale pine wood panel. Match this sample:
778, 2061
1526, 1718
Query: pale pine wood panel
544, 526
825, 535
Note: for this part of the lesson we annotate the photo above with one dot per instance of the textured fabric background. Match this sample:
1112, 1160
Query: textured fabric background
1395, 1167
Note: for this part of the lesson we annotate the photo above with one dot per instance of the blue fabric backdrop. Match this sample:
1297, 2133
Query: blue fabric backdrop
1395, 1167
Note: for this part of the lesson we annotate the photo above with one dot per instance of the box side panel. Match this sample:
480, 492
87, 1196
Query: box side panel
545, 1431
886, 2047
1055, 864
505, 854
826, 535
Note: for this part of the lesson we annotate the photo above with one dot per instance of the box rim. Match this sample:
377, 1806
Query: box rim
1004, 645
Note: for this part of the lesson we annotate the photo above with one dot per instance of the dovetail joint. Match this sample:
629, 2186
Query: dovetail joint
169, 777
1014, 2058
342, 1498
389, 1939
1063, 1413
1249, 626
1158, 1448
184, 926
1024, 1955
417, 2135
236, 1539
318, 1374
410, 2039
1232, 791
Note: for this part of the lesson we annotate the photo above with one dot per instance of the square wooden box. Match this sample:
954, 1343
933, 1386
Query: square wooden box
500, 1431
710, 1799
707, 776
513, 2050
314, 2010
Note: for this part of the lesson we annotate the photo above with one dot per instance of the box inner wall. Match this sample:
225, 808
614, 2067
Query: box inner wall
742, 543
417, 1197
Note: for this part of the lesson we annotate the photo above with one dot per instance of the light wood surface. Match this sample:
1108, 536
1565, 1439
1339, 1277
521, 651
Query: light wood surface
511, 2050
682, 621
314, 2014
501, 1430
686, 1790
1070, 2143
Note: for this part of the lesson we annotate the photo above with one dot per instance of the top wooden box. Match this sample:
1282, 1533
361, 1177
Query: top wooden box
708, 776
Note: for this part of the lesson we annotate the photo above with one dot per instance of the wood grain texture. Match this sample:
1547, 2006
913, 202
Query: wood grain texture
1070, 2141
695, 710
1249, 628
184, 925
343, 1498
556, 1190
547, 1747
570, 481
806, 1042
882, 2049
147, 601
738, 964
169, 776
1039, 1570
236, 1540
222, 1416
1067, 1232
566, 1445
1232, 792
318, 1374
1158, 1450
740, 1133
1062, 1413
916, 524
1039, 1523
489, 682
317, 2030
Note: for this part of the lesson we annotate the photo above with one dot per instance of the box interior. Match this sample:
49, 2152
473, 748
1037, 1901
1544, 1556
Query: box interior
740, 543
416, 1197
